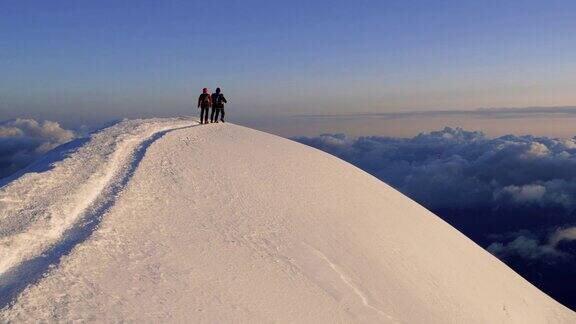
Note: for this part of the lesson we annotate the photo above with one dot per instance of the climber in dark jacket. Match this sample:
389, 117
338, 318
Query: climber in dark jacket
218, 102
204, 103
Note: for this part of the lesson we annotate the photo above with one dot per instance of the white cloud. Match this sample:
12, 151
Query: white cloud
567, 234
457, 168
527, 193
526, 247
24, 140
537, 150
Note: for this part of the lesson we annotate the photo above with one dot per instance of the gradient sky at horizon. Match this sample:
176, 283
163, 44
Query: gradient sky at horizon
83, 61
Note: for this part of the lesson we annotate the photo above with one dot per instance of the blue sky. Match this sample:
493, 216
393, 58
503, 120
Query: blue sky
97, 60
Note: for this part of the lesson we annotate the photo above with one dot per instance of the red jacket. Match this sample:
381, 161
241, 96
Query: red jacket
205, 101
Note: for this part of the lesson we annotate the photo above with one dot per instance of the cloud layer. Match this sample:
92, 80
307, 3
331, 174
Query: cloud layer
24, 140
525, 180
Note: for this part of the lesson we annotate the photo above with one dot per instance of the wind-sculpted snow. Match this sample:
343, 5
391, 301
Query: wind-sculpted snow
223, 224
38, 207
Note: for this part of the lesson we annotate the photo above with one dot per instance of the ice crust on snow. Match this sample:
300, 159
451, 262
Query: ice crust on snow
221, 223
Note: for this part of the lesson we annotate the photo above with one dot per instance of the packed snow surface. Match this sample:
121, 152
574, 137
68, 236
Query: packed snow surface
165, 220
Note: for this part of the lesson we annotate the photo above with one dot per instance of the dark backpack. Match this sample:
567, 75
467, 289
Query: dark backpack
217, 100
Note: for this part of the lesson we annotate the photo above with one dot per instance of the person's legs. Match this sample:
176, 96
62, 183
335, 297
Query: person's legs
221, 114
212, 115
216, 115
204, 115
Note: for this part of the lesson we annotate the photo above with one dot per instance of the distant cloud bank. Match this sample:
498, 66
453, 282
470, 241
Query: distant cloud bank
530, 179
525, 112
24, 140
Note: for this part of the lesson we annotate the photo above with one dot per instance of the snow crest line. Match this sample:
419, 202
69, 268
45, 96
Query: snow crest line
15, 277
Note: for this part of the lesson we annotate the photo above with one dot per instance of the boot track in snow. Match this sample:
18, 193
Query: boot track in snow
15, 277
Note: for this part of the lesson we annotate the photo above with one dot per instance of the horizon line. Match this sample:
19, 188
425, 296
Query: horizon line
501, 113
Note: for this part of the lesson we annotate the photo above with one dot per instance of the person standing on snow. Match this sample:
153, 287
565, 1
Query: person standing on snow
218, 102
204, 103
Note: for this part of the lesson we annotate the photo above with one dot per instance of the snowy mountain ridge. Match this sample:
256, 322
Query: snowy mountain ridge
168, 220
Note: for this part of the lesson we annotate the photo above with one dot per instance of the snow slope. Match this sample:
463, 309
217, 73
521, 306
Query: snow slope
166, 220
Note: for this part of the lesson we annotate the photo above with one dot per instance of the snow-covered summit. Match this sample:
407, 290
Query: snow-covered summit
167, 220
